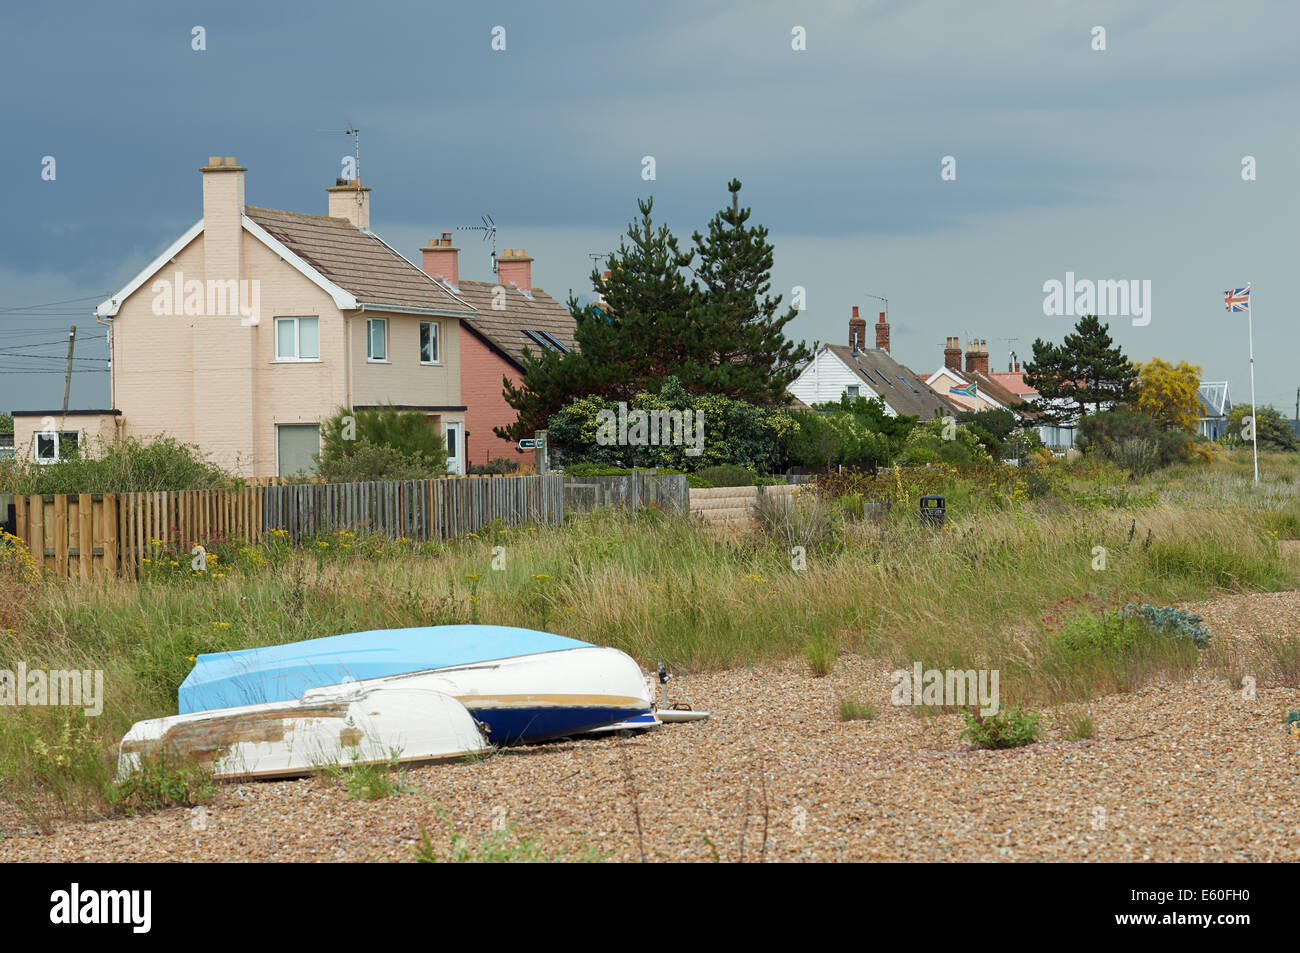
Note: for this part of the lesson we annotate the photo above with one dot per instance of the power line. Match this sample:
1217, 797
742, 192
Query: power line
47, 357
51, 304
15, 347
75, 370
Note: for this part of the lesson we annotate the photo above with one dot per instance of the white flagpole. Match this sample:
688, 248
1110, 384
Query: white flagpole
1254, 421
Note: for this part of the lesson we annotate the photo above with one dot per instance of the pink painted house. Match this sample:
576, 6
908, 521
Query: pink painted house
510, 314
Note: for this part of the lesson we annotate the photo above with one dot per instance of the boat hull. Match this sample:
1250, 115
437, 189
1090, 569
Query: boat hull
285, 672
535, 697
290, 739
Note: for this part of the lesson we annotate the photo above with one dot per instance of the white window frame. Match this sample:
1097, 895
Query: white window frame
297, 340
437, 343
56, 436
456, 464
370, 358
53, 436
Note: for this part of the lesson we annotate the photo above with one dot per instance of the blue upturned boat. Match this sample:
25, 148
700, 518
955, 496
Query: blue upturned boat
522, 685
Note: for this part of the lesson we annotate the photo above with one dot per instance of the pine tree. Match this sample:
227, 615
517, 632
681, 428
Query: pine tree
638, 336
747, 355
1087, 369
719, 334
1105, 375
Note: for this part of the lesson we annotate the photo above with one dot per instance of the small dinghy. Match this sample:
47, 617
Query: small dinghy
284, 672
292, 738
535, 697
524, 686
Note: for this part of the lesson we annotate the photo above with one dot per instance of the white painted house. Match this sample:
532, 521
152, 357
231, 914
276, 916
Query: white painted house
858, 371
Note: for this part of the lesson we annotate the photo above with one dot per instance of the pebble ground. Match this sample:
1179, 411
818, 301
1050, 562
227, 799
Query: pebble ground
1187, 771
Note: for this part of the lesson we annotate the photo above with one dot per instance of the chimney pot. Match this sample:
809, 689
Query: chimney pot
977, 358
952, 355
857, 332
882, 333
441, 260
343, 202
514, 267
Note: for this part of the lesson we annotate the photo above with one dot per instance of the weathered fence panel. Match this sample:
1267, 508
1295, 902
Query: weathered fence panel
85, 536
634, 490
413, 509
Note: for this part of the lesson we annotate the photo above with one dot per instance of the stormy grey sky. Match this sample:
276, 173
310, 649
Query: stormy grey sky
1117, 164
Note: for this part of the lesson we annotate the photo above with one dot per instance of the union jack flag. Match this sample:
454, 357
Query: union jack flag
1238, 299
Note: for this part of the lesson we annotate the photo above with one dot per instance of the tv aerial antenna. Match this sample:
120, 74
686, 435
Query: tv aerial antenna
1009, 342
880, 298
489, 230
355, 133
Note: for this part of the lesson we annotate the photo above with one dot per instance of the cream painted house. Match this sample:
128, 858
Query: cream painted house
256, 325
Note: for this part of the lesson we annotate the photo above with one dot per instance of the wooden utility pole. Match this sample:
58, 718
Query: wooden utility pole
67, 375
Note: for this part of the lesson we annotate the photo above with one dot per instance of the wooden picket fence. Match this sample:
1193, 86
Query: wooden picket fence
98, 535
88, 535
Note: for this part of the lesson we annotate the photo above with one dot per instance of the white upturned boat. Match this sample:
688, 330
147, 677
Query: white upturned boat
536, 697
340, 725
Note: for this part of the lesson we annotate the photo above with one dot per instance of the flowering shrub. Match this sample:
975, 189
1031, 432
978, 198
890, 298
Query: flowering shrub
174, 558
20, 578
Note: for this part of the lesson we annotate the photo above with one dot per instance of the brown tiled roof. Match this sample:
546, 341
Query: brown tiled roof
357, 262
995, 390
505, 328
908, 396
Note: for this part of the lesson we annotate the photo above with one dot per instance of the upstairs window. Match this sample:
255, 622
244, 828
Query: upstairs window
297, 339
429, 342
376, 339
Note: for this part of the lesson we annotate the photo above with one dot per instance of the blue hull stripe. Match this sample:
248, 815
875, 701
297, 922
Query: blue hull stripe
526, 725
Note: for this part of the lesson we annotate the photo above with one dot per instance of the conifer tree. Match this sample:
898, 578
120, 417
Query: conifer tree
746, 354
1088, 368
718, 334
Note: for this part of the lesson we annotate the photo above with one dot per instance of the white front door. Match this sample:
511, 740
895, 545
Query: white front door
455, 448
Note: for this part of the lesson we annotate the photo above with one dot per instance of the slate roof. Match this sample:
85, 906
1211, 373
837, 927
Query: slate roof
356, 261
536, 311
908, 395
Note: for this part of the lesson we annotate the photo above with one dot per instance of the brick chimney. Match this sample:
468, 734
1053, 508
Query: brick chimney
223, 208
228, 423
882, 333
351, 200
977, 358
857, 332
442, 260
952, 355
514, 265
